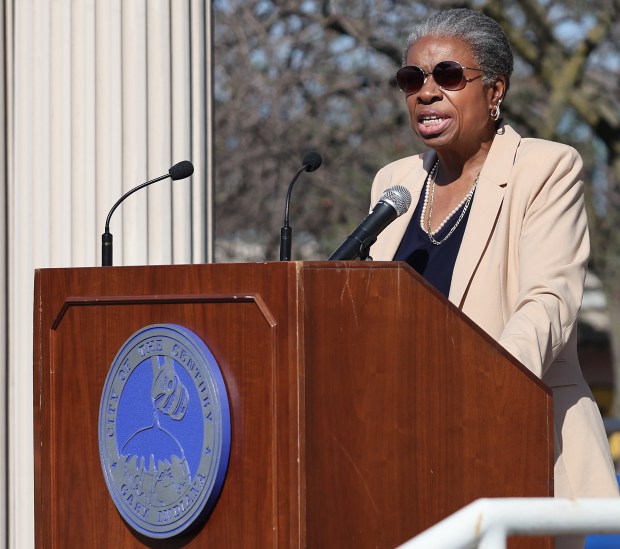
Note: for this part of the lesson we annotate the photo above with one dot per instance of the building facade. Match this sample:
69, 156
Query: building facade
97, 97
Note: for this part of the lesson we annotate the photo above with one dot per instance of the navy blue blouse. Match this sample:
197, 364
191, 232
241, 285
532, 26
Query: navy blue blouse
435, 263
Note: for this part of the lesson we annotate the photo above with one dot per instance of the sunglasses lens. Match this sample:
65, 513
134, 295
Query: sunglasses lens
448, 75
410, 79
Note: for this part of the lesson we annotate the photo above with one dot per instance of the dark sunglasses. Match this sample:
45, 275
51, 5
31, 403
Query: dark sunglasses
448, 75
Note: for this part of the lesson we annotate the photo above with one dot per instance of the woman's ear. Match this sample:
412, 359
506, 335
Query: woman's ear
498, 90
496, 94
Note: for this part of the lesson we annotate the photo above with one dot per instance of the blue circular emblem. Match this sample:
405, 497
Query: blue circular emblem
164, 430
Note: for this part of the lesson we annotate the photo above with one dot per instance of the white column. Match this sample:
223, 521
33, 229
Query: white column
181, 128
60, 94
22, 248
81, 113
159, 131
109, 120
135, 132
101, 96
3, 292
198, 90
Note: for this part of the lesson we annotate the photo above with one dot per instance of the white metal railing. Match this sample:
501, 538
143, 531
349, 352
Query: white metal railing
487, 522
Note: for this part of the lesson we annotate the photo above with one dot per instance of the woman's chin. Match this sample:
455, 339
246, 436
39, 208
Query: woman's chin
434, 139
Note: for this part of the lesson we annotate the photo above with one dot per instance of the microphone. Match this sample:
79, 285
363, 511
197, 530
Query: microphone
394, 202
311, 162
181, 170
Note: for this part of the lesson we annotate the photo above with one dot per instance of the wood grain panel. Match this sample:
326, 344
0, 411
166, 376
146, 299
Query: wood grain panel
84, 334
412, 412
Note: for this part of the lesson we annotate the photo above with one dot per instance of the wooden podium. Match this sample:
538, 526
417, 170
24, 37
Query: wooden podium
364, 407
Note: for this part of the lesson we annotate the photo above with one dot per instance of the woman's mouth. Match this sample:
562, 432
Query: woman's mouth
432, 124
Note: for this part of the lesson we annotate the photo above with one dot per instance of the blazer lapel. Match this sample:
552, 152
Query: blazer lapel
486, 206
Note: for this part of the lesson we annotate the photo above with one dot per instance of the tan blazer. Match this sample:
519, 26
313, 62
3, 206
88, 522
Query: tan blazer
519, 275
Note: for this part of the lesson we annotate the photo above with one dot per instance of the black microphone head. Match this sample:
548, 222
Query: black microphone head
312, 161
181, 170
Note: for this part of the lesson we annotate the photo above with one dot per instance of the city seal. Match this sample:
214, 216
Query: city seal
164, 430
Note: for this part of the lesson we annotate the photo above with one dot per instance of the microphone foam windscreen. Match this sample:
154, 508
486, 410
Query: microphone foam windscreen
312, 161
181, 170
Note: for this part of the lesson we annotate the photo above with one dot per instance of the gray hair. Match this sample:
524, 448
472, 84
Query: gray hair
488, 41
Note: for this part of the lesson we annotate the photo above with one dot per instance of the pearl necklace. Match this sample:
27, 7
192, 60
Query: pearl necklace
429, 199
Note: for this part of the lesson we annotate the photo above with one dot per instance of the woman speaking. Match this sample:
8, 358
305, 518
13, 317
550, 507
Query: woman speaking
498, 225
